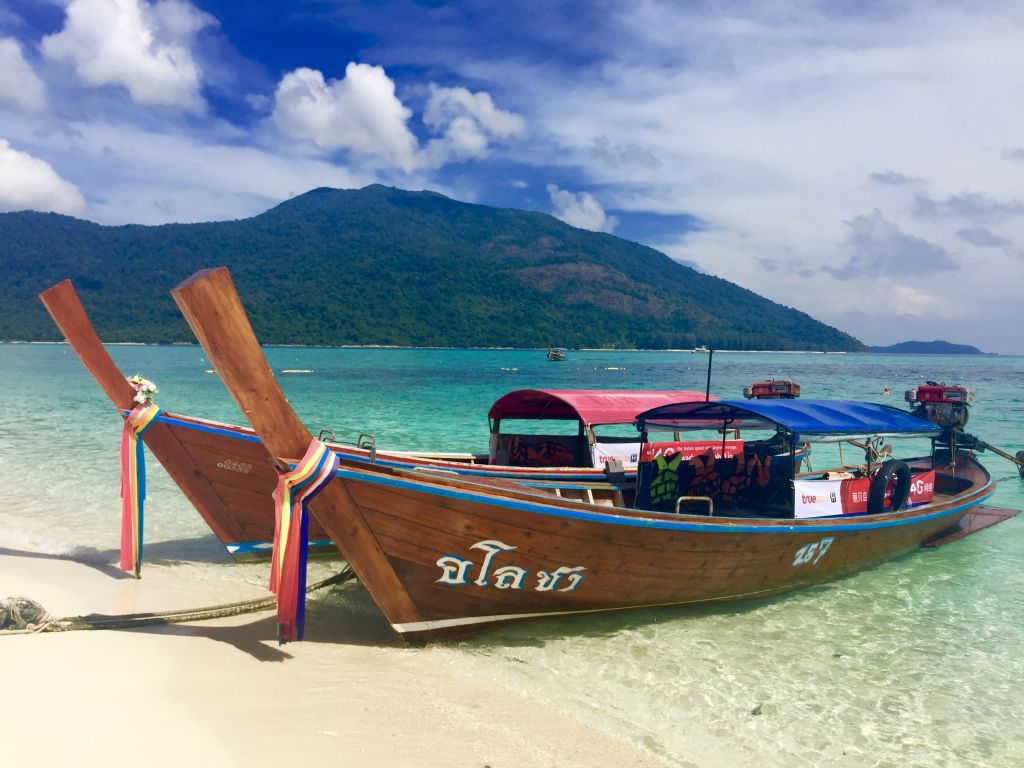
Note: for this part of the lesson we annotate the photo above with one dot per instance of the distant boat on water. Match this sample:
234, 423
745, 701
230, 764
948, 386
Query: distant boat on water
556, 354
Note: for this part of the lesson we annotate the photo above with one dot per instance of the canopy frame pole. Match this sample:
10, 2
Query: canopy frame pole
792, 465
707, 389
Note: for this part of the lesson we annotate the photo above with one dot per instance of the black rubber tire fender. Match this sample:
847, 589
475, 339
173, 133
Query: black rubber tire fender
889, 471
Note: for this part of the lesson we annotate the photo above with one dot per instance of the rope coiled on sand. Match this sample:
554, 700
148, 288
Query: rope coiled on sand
21, 616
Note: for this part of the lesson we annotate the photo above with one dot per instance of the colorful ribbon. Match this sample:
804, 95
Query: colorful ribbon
133, 485
291, 536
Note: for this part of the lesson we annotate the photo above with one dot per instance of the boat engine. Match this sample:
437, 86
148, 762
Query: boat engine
947, 406
941, 404
772, 390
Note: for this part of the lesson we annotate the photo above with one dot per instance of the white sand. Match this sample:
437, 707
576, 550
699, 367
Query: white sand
223, 693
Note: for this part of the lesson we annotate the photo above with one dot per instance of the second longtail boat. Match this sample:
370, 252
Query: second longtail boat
228, 475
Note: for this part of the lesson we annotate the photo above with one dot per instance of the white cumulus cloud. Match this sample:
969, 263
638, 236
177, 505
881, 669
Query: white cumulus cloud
466, 122
19, 84
359, 113
144, 47
26, 182
580, 210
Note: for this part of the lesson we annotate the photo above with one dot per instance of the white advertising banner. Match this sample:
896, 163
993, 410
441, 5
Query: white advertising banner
627, 453
817, 498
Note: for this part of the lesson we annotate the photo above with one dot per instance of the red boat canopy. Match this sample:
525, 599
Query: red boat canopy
591, 406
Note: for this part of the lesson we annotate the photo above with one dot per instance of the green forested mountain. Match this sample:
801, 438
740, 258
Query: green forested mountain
386, 266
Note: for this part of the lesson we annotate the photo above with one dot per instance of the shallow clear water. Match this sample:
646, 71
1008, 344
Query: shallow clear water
919, 662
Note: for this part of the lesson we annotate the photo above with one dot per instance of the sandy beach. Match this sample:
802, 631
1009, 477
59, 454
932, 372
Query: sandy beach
223, 692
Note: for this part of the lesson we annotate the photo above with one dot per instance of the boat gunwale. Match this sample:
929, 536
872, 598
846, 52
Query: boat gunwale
626, 517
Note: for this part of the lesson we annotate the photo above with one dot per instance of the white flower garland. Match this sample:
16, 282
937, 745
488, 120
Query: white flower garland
144, 389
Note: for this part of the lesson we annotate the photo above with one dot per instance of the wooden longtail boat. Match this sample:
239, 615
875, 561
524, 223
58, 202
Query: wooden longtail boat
444, 556
228, 474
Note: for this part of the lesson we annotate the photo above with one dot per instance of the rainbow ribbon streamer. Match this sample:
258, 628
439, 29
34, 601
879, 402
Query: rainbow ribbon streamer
133, 485
291, 536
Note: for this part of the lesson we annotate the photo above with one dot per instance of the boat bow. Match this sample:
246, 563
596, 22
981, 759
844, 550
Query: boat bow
214, 311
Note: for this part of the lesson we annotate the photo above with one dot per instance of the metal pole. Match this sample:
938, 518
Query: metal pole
707, 391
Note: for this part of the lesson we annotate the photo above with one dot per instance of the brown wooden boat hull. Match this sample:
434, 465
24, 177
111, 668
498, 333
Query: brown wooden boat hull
240, 472
630, 558
609, 559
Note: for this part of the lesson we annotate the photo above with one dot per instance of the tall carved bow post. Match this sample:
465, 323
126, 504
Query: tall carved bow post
291, 536
133, 484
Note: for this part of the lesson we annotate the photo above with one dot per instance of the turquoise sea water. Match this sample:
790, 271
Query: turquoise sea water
919, 662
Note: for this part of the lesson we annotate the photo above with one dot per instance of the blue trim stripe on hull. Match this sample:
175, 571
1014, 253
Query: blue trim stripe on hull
261, 547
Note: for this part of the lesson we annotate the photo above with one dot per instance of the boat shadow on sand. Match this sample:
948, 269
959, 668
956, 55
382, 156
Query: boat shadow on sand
202, 549
255, 635
344, 615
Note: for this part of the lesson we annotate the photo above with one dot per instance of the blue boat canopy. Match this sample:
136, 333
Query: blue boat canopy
812, 420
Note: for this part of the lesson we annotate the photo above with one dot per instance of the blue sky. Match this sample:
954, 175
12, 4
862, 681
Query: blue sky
860, 161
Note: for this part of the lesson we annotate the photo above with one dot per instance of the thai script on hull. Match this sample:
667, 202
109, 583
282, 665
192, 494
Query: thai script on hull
456, 571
